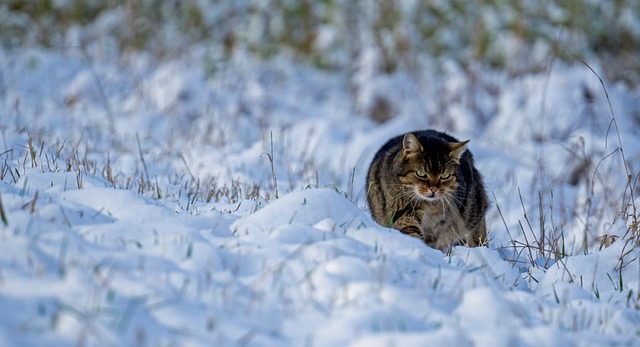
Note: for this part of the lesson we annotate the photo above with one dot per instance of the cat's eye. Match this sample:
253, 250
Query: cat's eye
445, 176
421, 174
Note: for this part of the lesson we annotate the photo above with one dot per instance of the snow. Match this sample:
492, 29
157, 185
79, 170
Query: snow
230, 209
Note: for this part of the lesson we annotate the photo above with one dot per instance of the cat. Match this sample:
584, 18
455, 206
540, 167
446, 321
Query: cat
426, 185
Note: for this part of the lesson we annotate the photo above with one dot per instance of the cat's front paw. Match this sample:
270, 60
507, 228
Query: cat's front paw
412, 231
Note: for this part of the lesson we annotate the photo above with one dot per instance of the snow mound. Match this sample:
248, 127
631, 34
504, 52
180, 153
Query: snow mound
138, 207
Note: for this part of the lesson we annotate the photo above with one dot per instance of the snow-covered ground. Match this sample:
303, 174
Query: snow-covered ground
149, 205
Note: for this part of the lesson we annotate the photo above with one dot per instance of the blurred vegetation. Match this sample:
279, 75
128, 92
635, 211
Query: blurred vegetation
518, 36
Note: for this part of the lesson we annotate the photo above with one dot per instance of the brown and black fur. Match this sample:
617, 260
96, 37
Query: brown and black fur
425, 185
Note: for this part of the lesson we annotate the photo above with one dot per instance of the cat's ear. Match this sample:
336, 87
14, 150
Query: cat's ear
457, 149
411, 145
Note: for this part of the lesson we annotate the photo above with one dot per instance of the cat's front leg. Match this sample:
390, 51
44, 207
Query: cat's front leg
408, 225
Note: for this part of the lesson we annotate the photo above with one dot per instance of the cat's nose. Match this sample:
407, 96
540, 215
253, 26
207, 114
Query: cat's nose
433, 189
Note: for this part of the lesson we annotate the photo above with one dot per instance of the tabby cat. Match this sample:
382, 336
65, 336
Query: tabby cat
425, 185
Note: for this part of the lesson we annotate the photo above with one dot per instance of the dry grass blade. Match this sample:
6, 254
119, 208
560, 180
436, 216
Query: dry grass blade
273, 171
3, 215
632, 236
32, 152
542, 224
144, 164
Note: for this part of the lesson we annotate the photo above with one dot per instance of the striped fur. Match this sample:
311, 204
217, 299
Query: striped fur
425, 185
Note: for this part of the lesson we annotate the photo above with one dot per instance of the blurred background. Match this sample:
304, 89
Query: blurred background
382, 36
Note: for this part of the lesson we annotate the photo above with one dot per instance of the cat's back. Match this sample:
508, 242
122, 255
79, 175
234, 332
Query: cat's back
434, 140
430, 138
392, 146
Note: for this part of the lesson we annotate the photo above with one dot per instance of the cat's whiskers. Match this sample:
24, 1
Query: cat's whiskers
405, 193
455, 198
461, 188
409, 185
411, 196
452, 206
415, 199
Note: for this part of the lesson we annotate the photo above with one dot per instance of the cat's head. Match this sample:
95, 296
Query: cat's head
429, 167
